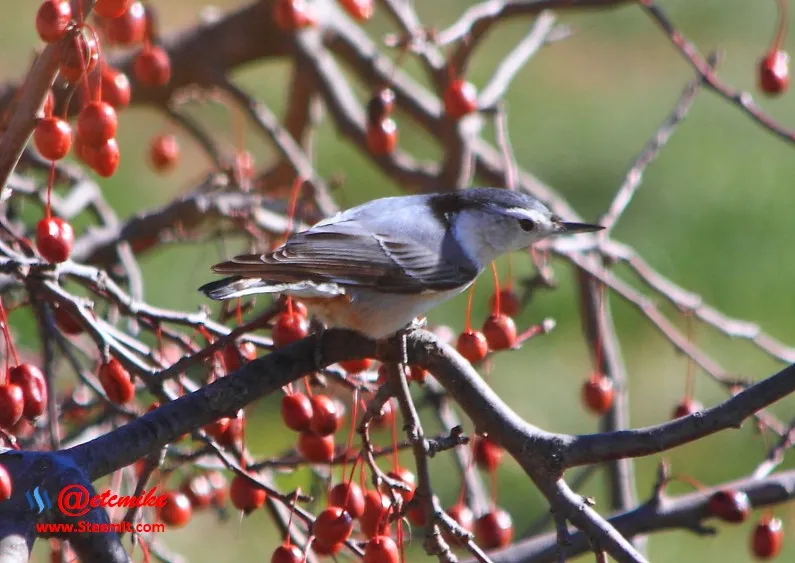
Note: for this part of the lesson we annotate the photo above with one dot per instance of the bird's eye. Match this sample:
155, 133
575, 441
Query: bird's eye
527, 224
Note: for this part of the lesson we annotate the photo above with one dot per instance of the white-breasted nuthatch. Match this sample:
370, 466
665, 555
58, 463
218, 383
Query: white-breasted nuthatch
376, 267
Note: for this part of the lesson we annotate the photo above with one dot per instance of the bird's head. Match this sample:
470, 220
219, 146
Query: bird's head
488, 222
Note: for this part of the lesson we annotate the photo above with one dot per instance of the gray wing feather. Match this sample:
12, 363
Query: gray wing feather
344, 254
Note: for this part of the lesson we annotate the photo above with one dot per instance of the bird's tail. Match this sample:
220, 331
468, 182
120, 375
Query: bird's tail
237, 286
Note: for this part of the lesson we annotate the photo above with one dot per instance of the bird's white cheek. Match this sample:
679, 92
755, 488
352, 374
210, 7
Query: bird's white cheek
479, 236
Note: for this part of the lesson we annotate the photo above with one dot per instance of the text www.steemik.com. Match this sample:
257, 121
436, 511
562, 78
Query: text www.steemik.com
83, 527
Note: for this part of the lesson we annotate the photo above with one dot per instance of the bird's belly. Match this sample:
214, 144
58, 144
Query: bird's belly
373, 313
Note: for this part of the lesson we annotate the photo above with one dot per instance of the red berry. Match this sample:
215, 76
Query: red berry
116, 382
768, 537
198, 490
348, 496
510, 304
111, 8
326, 550
287, 553
12, 404
5, 484
460, 98
686, 407
316, 449
416, 516
164, 153
289, 328
465, 518
232, 436
54, 239
488, 455
597, 393
152, 67
128, 28
297, 412
115, 87
417, 374
325, 416
730, 505
218, 486
103, 159
293, 14
500, 332
382, 137
217, 428
774, 72
375, 518
97, 123
380, 105
360, 10
52, 137
332, 526
494, 529
52, 20
404, 475
80, 55
356, 366
34, 388
235, 356
386, 417
177, 510
66, 322
472, 345
246, 496
381, 549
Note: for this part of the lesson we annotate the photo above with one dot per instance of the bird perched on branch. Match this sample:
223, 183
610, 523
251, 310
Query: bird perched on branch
376, 267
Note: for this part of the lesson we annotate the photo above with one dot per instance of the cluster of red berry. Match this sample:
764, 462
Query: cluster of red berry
498, 331
197, 492
734, 507
124, 23
459, 99
23, 393
291, 15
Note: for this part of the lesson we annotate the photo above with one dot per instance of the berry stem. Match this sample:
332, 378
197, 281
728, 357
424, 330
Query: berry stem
144, 549
395, 458
50, 183
354, 409
290, 518
96, 95
781, 32
600, 298
401, 543
7, 334
462, 492
682, 478
496, 289
468, 321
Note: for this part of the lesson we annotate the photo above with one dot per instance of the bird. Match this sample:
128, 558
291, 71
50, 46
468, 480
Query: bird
376, 267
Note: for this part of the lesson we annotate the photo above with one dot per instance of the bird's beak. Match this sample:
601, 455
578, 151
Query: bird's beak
571, 228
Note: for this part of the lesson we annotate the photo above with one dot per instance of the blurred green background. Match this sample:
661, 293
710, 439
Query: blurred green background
714, 214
